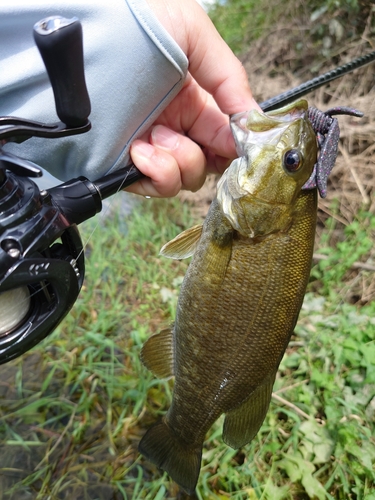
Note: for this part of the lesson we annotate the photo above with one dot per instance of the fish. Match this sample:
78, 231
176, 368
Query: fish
242, 293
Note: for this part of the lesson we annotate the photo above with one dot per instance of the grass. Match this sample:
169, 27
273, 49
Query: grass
73, 409
242, 22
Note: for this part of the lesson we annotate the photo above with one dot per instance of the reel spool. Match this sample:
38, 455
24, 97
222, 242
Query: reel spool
14, 307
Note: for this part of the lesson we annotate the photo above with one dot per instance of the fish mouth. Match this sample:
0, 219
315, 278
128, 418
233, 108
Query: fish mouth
259, 128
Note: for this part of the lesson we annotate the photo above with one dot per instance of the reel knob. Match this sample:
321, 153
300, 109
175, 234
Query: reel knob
59, 41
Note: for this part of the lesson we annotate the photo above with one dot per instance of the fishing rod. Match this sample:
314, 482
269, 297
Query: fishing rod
307, 87
41, 253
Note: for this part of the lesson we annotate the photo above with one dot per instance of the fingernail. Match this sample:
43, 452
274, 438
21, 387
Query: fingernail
143, 149
164, 137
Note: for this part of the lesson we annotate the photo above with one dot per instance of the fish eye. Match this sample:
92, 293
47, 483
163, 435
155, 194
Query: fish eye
292, 160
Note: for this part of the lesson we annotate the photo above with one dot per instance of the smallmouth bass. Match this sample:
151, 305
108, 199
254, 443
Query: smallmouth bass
242, 293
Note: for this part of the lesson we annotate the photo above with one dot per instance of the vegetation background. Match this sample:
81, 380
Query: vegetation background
73, 410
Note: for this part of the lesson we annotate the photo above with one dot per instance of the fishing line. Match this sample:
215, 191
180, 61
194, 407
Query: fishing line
102, 214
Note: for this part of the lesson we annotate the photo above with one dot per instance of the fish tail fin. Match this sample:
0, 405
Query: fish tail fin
162, 446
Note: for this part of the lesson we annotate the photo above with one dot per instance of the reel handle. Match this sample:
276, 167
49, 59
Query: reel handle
59, 41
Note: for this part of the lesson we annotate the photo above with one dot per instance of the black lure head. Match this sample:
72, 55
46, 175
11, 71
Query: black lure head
328, 135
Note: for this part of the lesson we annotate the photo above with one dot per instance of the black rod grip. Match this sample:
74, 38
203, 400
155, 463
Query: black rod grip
59, 41
112, 183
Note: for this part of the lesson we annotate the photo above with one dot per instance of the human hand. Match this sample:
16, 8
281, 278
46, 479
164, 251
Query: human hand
192, 136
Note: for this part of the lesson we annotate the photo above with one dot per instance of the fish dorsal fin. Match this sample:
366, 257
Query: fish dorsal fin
183, 245
243, 423
157, 354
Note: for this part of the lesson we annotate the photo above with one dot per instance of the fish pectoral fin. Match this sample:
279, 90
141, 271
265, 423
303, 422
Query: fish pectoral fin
243, 423
183, 245
157, 354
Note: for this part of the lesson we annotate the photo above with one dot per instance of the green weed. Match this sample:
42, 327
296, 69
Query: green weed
343, 248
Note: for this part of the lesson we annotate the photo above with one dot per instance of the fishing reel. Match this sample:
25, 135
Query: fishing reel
41, 254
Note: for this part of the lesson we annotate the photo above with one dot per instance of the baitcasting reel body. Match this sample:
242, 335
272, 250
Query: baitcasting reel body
41, 252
